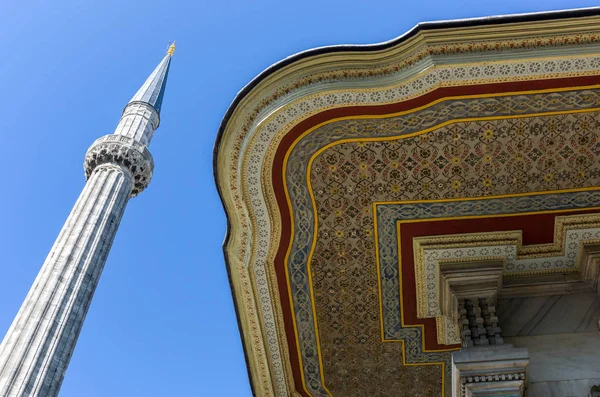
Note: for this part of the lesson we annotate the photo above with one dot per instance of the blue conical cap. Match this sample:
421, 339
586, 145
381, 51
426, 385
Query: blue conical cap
153, 90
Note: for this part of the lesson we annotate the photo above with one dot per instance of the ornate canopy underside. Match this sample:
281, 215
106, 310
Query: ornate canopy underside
350, 176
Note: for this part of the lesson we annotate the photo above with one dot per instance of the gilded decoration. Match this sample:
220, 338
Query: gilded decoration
279, 122
500, 150
572, 233
254, 134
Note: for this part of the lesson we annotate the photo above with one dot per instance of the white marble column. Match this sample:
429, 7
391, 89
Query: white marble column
36, 350
38, 346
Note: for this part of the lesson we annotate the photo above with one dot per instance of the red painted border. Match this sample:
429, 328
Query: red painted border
297, 130
537, 229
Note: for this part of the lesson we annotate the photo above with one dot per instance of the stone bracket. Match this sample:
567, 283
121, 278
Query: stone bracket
460, 282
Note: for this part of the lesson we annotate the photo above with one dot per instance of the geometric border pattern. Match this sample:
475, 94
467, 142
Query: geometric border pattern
301, 197
262, 240
388, 215
564, 255
244, 140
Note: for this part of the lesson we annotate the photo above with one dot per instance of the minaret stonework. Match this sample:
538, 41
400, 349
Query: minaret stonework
37, 348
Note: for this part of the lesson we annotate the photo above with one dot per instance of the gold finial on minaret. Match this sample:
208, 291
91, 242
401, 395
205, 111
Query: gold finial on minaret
171, 49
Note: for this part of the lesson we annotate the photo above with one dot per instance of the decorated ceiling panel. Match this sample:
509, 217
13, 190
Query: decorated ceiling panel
345, 289
344, 198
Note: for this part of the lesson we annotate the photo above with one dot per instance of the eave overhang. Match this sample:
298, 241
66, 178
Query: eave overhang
259, 102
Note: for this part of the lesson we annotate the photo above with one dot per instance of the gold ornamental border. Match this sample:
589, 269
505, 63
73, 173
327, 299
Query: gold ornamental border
562, 225
373, 139
269, 196
266, 174
484, 38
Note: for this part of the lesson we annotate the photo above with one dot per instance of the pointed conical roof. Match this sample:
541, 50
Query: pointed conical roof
153, 90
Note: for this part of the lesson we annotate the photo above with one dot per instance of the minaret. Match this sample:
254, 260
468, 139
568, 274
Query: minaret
39, 343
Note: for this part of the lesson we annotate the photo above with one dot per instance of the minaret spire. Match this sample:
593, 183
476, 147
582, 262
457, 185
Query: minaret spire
39, 343
153, 90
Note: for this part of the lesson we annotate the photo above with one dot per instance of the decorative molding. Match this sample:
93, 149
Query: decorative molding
262, 208
489, 371
542, 285
431, 254
472, 280
125, 152
356, 176
259, 123
391, 216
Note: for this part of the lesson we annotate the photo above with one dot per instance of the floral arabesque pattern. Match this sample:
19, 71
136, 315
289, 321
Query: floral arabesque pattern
469, 159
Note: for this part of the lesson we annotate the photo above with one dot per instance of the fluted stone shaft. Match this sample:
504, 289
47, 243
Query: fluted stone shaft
139, 121
37, 348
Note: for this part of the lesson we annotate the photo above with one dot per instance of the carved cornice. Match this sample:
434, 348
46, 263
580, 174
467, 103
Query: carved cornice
490, 371
305, 85
124, 152
463, 248
432, 254
509, 385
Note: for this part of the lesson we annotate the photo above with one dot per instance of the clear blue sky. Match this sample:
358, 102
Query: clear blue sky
162, 321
